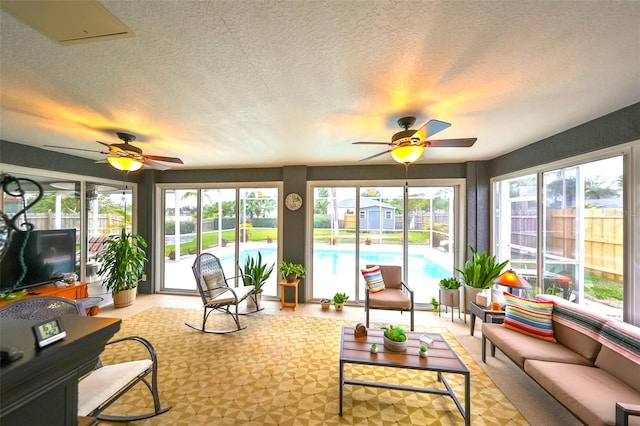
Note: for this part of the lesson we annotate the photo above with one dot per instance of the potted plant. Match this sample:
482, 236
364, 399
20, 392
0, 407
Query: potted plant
292, 271
422, 351
435, 304
367, 241
394, 338
122, 265
478, 274
339, 299
450, 292
374, 348
325, 303
255, 272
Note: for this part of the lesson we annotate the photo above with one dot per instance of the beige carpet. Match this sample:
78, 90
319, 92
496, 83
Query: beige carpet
284, 371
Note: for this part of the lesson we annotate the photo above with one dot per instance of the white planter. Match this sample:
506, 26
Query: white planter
251, 305
339, 306
450, 297
394, 346
423, 354
469, 295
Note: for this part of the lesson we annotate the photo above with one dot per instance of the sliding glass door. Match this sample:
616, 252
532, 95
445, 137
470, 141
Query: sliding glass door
355, 226
232, 223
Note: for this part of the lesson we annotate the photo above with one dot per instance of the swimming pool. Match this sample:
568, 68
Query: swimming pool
334, 270
333, 262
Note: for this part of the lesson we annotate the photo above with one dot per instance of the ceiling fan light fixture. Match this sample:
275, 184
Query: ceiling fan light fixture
125, 163
407, 154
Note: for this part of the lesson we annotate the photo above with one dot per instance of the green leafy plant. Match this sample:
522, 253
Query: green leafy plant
423, 348
450, 283
481, 269
395, 333
374, 345
288, 268
123, 261
434, 303
340, 298
255, 272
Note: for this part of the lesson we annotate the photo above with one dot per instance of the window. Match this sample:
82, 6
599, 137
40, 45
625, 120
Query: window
567, 225
108, 206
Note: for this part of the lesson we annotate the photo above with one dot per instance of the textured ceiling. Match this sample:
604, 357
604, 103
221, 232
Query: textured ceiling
271, 83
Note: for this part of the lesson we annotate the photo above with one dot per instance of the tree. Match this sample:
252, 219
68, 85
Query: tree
322, 202
599, 187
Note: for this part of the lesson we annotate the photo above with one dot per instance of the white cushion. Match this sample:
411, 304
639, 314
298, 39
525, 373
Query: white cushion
227, 296
214, 281
99, 386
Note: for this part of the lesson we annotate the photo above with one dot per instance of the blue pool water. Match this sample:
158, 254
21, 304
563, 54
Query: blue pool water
336, 262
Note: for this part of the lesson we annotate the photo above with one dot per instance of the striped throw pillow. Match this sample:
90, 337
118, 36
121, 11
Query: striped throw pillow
373, 278
530, 317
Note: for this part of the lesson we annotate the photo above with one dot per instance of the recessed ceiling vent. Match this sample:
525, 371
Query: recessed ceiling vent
68, 22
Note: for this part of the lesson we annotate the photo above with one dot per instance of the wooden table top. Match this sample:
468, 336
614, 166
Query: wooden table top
440, 355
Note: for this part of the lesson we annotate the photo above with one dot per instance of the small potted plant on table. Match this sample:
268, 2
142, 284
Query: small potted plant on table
394, 338
339, 300
292, 271
422, 351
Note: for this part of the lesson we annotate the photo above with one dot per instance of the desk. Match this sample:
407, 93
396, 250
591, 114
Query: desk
441, 359
485, 314
42, 386
283, 285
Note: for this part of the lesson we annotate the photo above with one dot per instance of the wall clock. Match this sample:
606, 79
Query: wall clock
293, 201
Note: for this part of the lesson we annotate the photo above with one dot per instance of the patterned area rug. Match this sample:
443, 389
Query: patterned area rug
284, 371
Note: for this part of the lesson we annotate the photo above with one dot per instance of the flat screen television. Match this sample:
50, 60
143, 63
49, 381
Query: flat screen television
48, 255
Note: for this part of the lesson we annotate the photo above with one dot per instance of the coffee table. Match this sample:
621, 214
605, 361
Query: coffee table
441, 359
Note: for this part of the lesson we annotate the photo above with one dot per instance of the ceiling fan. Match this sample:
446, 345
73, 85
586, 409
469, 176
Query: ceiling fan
124, 156
408, 145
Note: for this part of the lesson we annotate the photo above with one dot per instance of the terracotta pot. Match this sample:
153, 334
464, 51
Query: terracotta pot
291, 277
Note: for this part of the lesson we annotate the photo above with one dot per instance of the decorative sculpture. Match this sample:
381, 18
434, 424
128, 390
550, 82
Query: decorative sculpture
9, 225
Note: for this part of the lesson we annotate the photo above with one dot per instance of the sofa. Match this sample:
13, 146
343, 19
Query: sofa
589, 363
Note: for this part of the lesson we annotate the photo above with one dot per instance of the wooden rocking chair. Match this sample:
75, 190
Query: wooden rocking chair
217, 294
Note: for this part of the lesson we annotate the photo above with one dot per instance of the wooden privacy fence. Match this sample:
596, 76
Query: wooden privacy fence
107, 223
603, 234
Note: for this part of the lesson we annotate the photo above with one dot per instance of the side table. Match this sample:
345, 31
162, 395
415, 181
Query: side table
283, 285
485, 314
